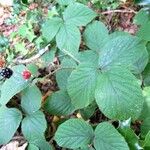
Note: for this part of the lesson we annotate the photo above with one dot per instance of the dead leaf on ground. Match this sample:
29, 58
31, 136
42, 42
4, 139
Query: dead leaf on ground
14, 145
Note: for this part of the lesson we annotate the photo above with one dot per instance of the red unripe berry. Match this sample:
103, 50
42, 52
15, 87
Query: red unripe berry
26, 74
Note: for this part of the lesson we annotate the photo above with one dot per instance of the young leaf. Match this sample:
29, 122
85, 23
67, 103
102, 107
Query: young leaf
118, 94
59, 103
78, 14
81, 85
74, 133
96, 36
34, 125
107, 137
122, 50
31, 99
51, 27
13, 85
10, 119
68, 38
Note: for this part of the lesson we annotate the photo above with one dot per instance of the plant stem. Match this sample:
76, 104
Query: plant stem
118, 11
33, 58
70, 55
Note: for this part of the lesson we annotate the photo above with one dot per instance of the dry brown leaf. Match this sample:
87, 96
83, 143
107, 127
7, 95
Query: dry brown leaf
14, 145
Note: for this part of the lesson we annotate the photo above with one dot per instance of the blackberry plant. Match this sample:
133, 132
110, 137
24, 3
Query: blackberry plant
98, 74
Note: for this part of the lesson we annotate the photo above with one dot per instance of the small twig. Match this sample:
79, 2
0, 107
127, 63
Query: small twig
46, 95
69, 54
118, 11
33, 58
53, 72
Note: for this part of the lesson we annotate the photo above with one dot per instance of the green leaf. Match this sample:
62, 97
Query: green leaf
147, 140
143, 2
129, 135
148, 49
140, 63
41, 143
10, 119
51, 27
144, 32
68, 38
122, 50
118, 94
146, 107
32, 147
20, 47
31, 99
89, 147
78, 14
67, 66
146, 75
88, 111
118, 33
66, 2
88, 56
33, 68
59, 103
24, 1
145, 114
96, 36
145, 127
81, 85
26, 31
13, 85
48, 57
141, 17
34, 125
108, 138
74, 133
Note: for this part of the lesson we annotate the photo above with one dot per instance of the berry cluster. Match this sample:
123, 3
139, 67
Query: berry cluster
6, 72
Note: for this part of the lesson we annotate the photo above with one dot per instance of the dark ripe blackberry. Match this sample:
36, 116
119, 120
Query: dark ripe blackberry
6, 72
